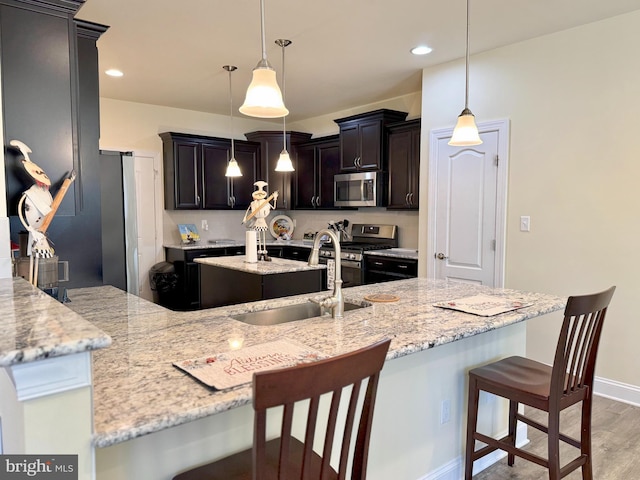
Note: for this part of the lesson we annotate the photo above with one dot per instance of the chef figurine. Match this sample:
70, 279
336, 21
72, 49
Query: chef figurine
37, 201
259, 210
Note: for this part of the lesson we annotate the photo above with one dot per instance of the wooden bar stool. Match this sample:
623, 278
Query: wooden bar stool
286, 457
548, 388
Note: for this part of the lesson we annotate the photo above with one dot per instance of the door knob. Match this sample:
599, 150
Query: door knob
441, 256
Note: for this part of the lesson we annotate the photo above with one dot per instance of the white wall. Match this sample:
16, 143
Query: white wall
135, 126
572, 99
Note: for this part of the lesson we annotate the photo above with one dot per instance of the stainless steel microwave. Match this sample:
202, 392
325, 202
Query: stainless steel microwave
361, 189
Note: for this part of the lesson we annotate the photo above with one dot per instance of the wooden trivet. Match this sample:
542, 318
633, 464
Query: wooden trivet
382, 297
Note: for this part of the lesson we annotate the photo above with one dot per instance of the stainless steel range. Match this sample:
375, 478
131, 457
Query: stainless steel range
363, 237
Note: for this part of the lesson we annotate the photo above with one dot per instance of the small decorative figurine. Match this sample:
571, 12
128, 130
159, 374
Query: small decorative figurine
259, 210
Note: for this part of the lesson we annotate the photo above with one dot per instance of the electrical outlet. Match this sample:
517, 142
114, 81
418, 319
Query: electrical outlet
205, 225
525, 223
445, 411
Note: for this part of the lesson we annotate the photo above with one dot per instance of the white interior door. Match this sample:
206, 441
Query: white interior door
467, 196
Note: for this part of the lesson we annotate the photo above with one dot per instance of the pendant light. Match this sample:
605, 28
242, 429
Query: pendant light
264, 99
465, 132
233, 169
284, 161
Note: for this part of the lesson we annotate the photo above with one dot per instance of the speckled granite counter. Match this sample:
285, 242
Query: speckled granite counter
276, 265
137, 390
34, 326
409, 253
239, 243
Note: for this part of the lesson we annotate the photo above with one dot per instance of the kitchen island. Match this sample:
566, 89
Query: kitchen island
152, 420
231, 280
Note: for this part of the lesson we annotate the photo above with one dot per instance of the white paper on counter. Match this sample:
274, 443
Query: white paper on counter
483, 305
230, 369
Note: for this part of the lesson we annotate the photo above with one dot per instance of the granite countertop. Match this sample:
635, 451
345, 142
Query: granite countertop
34, 326
276, 265
133, 376
409, 253
237, 243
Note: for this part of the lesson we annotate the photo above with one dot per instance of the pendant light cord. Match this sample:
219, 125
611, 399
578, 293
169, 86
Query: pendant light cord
264, 45
233, 153
284, 119
466, 91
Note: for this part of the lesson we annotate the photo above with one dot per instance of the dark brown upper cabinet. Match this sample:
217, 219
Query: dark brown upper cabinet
194, 172
363, 139
317, 162
404, 165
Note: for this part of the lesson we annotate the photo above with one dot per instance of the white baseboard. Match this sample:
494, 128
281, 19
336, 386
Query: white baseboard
622, 392
454, 470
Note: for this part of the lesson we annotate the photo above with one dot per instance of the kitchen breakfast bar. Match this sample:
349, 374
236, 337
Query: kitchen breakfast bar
95, 377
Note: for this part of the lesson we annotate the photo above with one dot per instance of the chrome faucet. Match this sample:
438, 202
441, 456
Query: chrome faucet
336, 301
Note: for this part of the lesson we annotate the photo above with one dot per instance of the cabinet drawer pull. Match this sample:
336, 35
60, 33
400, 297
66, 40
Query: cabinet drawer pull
403, 266
379, 264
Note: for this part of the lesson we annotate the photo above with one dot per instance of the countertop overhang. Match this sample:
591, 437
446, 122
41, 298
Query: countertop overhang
34, 326
137, 391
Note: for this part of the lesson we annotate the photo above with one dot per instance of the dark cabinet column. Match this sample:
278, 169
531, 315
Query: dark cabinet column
51, 103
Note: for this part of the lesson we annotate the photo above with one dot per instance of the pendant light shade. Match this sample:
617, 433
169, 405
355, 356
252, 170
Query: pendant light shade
264, 98
284, 161
233, 169
465, 132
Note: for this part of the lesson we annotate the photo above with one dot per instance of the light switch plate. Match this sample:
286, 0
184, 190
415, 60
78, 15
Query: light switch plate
525, 223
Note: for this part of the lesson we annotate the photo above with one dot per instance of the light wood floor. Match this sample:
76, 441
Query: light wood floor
615, 443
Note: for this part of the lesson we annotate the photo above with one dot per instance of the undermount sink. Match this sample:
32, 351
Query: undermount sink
290, 313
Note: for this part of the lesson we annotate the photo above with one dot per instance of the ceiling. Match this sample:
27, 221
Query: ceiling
345, 53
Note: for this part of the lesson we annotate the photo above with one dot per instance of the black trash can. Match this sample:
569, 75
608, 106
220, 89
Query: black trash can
164, 283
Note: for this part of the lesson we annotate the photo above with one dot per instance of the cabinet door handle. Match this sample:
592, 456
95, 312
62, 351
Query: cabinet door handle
406, 199
411, 198
318, 201
197, 199
313, 201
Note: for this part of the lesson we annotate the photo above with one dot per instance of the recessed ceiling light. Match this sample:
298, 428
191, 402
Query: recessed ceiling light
113, 72
421, 50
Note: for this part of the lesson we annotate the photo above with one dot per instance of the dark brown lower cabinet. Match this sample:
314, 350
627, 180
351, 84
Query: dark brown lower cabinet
223, 286
385, 269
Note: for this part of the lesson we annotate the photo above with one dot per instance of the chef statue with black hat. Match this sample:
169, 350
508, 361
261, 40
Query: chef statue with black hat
259, 209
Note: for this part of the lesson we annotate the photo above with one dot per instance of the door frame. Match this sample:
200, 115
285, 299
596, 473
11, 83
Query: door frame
435, 135
133, 273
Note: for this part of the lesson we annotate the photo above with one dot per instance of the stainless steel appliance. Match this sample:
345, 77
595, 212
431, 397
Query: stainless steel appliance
361, 189
364, 237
